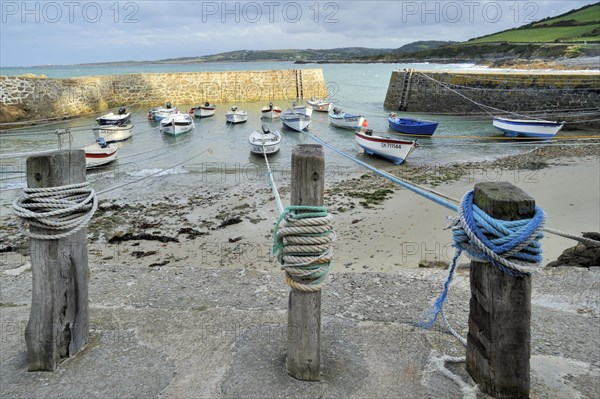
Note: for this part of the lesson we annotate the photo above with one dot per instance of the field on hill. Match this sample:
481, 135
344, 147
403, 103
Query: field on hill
582, 25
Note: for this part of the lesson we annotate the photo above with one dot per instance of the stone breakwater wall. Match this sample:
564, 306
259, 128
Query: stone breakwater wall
568, 96
29, 97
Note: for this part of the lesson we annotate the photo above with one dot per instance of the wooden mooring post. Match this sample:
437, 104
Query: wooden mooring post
304, 308
498, 342
59, 319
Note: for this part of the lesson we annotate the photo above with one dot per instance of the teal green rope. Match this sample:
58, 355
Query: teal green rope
315, 273
310, 212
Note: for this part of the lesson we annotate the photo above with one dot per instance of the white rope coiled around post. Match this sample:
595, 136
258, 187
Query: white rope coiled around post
63, 209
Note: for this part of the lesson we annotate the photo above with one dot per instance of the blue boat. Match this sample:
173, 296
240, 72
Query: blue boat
412, 126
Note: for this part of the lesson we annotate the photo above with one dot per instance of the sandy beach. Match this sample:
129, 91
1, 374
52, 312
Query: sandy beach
221, 218
185, 251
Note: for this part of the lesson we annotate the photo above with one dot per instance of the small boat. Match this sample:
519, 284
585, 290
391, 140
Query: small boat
111, 118
176, 124
204, 111
319, 105
392, 149
302, 109
162, 112
100, 153
270, 112
533, 128
113, 133
267, 140
236, 115
294, 119
346, 121
412, 126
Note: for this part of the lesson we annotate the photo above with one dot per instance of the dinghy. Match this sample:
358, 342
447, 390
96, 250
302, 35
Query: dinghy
162, 112
532, 128
341, 119
236, 115
100, 153
115, 119
176, 124
267, 140
412, 126
113, 133
392, 149
302, 109
319, 105
204, 111
270, 112
295, 120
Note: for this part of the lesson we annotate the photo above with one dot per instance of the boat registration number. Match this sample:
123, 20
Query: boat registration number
390, 145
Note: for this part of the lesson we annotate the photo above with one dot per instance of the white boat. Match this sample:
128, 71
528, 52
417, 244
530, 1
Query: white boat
346, 121
303, 109
236, 115
100, 153
270, 112
162, 112
177, 124
113, 133
319, 105
295, 120
533, 128
204, 111
121, 118
267, 140
392, 149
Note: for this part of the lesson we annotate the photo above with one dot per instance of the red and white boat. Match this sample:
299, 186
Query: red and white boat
270, 112
204, 111
392, 149
100, 153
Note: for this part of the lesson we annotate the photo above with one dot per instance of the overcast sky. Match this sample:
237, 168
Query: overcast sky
70, 32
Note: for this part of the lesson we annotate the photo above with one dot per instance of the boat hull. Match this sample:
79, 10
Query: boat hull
412, 126
272, 142
113, 134
270, 113
346, 121
96, 156
393, 150
536, 129
294, 121
303, 109
113, 119
205, 112
320, 106
159, 114
177, 124
236, 117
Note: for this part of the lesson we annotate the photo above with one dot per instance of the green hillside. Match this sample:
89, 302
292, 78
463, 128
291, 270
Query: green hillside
582, 25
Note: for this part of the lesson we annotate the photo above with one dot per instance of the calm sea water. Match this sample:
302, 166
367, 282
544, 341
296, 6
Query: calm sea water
356, 88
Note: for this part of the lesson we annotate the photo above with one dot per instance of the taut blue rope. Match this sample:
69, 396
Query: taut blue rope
511, 246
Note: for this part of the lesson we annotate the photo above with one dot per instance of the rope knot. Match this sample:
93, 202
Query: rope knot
303, 246
512, 246
63, 209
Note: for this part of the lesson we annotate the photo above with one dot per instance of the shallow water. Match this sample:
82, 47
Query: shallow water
213, 144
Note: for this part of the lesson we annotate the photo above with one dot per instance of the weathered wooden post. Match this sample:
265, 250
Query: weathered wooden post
498, 343
304, 308
58, 322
